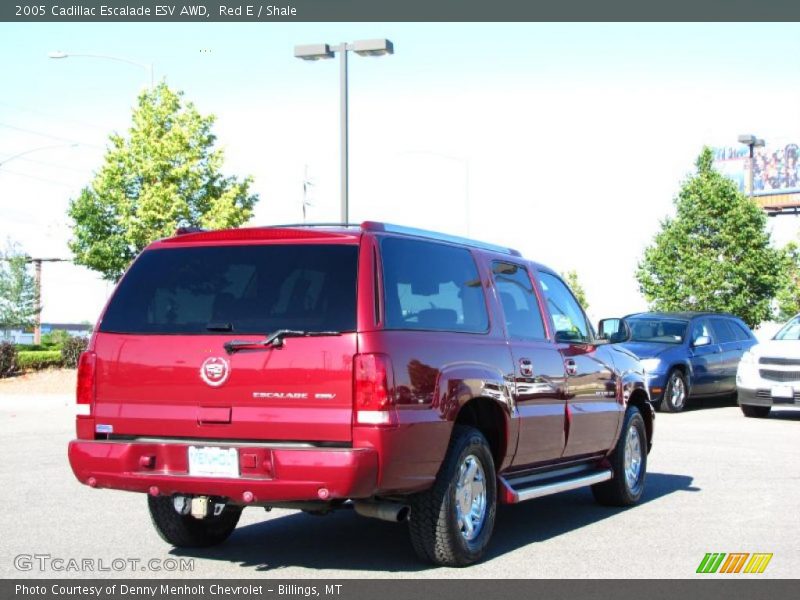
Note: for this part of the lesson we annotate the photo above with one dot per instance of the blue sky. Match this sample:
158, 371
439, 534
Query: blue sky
567, 141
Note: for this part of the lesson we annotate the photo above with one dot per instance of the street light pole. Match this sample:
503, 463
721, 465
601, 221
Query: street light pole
752, 142
343, 128
148, 67
322, 51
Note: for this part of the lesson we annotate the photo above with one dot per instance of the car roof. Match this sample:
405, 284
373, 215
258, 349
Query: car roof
327, 231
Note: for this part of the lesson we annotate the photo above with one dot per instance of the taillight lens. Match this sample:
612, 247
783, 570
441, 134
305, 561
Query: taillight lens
86, 377
373, 385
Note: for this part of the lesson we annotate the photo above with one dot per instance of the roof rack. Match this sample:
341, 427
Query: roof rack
401, 229
434, 235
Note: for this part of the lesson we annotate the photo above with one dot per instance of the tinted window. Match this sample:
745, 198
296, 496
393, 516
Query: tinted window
699, 329
568, 318
520, 306
740, 330
723, 331
432, 287
240, 289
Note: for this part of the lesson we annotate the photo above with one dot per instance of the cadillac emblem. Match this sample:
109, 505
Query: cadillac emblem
215, 371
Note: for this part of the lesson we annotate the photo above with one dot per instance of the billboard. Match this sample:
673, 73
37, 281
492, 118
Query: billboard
776, 173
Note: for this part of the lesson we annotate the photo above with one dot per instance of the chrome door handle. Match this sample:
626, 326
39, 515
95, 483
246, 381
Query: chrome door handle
526, 367
572, 368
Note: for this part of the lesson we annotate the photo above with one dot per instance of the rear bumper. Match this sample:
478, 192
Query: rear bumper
266, 473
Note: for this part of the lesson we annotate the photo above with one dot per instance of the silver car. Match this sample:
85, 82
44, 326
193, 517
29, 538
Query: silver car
769, 373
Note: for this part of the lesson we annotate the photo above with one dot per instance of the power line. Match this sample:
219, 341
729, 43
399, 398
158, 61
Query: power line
52, 164
48, 135
45, 179
50, 115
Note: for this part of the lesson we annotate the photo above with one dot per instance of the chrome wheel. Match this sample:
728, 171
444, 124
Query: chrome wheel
633, 458
677, 392
470, 497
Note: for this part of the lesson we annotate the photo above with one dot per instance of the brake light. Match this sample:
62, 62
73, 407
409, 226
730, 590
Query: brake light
86, 377
373, 386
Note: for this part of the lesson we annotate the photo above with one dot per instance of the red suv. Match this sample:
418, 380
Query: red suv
398, 372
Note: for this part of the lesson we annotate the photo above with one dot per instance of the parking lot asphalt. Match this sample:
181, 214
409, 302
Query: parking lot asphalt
717, 482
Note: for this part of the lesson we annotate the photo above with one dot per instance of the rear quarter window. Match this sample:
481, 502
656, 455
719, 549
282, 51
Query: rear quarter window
430, 286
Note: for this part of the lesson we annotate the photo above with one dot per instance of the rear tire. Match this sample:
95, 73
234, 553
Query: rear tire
452, 522
184, 531
628, 464
758, 412
675, 394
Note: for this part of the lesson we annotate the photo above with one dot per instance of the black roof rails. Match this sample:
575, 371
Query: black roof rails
185, 230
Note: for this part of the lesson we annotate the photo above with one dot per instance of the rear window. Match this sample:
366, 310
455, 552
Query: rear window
237, 289
431, 286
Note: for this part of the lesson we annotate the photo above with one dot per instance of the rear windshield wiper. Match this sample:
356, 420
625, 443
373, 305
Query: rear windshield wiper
219, 326
273, 340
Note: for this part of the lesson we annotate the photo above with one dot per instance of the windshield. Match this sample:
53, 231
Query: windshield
663, 331
237, 289
790, 331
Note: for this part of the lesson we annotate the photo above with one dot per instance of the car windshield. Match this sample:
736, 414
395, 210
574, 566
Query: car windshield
663, 331
790, 331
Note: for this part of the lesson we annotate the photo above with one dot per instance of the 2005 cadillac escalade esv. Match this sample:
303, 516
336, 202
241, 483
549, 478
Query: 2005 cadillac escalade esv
405, 374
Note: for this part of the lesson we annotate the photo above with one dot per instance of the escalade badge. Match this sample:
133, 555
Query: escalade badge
215, 371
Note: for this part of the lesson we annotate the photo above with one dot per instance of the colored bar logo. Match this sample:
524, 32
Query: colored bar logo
735, 562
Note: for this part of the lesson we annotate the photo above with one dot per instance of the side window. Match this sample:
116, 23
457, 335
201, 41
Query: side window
740, 330
431, 286
568, 318
699, 329
520, 306
723, 331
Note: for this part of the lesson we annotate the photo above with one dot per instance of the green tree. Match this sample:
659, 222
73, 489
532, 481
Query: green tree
18, 307
571, 277
788, 297
715, 254
164, 174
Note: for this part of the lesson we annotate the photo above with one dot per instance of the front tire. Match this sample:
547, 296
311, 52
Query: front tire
628, 464
184, 531
452, 522
757, 412
676, 392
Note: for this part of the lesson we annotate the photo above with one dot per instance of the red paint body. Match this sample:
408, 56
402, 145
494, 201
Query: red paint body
290, 412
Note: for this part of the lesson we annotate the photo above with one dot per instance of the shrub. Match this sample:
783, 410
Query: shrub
8, 359
39, 359
71, 351
55, 338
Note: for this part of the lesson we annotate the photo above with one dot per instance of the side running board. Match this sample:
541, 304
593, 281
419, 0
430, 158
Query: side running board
519, 489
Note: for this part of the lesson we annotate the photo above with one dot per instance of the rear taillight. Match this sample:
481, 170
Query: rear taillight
86, 377
373, 386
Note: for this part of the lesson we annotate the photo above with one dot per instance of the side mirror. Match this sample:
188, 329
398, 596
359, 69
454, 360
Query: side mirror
614, 330
703, 340
607, 328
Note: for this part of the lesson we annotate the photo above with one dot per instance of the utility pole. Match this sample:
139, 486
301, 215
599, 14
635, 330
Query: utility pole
37, 269
37, 266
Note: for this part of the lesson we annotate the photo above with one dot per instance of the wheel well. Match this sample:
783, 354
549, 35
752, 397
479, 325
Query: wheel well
487, 417
639, 400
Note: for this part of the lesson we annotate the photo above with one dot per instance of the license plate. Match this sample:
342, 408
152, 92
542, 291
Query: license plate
782, 391
213, 461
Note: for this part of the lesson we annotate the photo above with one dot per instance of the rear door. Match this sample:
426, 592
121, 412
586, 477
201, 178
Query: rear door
593, 413
163, 370
706, 359
730, 353
539, 377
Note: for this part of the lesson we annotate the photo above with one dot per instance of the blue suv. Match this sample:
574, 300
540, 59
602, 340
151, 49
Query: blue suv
687, 354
